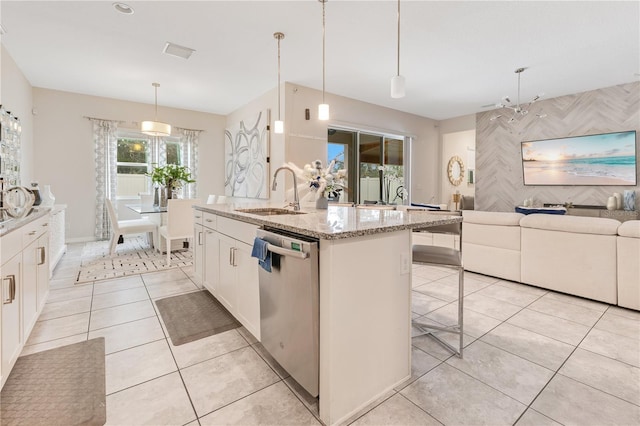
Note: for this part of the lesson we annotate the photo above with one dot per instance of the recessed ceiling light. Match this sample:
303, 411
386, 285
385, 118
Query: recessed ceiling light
123, 8
177, 50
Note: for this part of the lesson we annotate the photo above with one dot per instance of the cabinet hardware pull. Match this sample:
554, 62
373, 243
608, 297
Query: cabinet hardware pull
200, 238
32, 233
198, 217
43, 257
231, 256
234, 256
209, 220
45, 224
6, 301
13, 287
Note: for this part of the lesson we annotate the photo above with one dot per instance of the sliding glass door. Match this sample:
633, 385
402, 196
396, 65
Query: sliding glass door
375, 165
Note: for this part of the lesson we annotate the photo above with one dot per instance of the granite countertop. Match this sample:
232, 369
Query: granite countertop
10, 225
334, 223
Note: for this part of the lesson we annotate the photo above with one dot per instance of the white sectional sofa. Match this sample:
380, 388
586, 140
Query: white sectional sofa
596, 258
628, 245
491, 243
575, 255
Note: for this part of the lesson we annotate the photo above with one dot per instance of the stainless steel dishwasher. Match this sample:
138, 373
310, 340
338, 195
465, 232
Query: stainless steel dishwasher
289, 305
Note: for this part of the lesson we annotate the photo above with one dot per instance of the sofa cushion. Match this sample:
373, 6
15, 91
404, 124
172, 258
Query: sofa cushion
630, 228
492, 218
581, 225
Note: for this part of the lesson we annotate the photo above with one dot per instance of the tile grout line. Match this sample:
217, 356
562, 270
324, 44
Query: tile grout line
555, 373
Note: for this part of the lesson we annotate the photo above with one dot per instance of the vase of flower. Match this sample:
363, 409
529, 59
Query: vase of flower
47, 197
322, 203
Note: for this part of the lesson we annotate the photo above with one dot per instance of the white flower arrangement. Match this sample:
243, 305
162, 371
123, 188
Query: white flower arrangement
320, 181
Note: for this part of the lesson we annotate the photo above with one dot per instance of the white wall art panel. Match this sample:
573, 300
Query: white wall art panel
246, 150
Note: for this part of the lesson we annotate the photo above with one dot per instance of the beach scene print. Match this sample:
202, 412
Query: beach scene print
608, 159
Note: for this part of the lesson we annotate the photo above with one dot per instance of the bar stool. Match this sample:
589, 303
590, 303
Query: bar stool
451, 258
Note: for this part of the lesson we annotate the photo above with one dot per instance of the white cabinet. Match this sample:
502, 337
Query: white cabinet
226, 289
44, 269
35, 272
205, 261
237, 287
12, 341
248, 291
198, 247
24, 272
211, 270
57, 224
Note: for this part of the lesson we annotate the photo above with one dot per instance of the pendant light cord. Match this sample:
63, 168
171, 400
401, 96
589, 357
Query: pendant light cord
279, 77
323, 48
398, 37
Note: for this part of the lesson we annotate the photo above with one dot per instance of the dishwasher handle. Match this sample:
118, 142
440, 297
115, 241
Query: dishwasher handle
286, 252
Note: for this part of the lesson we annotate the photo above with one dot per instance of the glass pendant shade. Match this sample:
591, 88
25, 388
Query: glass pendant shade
397, 86
278, 126
155, 128
323, 112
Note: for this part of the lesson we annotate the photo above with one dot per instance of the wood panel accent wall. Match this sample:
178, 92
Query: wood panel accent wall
499, 183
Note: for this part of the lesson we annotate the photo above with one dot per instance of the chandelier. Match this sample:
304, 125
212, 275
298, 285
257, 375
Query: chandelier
516, 109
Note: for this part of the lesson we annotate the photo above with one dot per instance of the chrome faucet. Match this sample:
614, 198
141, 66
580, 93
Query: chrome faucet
296, 201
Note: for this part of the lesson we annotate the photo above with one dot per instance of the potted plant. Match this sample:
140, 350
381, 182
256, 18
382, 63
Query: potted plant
171, 177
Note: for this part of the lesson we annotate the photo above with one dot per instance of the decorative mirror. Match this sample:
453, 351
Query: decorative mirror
455, 170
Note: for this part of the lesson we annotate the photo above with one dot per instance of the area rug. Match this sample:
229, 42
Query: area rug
134, 256
61, 386
193, 316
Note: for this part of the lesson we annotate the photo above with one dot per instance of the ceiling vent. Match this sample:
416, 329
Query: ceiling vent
177, 50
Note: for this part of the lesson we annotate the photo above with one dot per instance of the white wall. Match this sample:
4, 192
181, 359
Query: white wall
17, 98
64, 153
307, 139
463, 145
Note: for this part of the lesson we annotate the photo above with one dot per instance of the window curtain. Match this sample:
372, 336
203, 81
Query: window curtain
189, 147
106, 149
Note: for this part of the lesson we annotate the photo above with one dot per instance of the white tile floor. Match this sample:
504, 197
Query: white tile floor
532, 357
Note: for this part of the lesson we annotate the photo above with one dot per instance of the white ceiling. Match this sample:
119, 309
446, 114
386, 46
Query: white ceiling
456, 56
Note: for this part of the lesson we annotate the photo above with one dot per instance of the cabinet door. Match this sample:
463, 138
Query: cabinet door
198, 254
11, 321
248, 291
30, 258
226, 289
211, 268
43, 259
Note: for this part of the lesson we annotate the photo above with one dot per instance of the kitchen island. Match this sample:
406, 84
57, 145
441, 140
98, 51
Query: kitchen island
364, 292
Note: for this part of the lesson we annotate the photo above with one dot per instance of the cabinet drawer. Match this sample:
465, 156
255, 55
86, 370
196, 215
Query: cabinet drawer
10, 245
209, 220
33, 230
242, 231
197, 217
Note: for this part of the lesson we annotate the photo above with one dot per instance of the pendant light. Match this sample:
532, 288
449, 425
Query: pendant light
397, 81
278, 125
155, 127
323, 108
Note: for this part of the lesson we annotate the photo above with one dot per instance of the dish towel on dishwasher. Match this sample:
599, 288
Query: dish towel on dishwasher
262, 253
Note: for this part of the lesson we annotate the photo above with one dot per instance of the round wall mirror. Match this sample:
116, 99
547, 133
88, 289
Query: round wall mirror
455, 170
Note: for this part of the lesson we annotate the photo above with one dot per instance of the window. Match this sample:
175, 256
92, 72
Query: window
132, 164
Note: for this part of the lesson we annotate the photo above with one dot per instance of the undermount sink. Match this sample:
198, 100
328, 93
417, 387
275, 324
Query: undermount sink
269, 211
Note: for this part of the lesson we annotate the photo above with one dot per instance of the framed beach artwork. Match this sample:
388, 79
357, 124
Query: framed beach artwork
246, 153
604, 159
